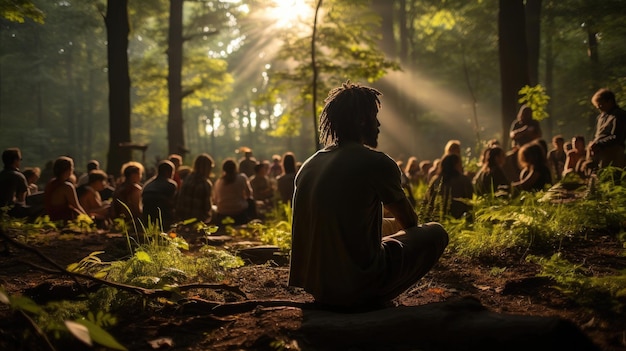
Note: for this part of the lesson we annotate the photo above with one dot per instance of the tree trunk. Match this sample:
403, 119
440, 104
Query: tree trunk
175, 131
451, 325
513, 59
549, 28
533, 38
594, 62
119, 84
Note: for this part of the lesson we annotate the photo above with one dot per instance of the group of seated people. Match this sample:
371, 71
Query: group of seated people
174, 193
528, 167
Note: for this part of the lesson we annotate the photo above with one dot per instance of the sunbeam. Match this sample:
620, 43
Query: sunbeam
438, 116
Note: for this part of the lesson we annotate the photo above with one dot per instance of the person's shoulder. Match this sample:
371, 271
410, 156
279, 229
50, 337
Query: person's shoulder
68, 186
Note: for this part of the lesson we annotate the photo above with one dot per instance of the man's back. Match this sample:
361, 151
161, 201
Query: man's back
158, 194
338, 219
13, 185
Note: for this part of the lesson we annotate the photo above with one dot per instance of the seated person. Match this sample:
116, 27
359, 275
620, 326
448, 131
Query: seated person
535, 174
285, 182
557, 157
92, 165
491, 178
340, 254
89, 197
127, 195
159, 196
195, 197
260, 182
32, 175
448, 186
575, 155
233, 195
525, 129
13, 184
60, 199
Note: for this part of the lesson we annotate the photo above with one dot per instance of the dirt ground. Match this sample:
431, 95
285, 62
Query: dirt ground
270, 315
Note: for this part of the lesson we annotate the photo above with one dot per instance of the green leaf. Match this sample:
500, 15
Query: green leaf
100, 335
25, 304
189, 221
143, 256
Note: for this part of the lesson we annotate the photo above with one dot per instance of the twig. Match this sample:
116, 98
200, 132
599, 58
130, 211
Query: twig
198, 305
125, 287
37, 330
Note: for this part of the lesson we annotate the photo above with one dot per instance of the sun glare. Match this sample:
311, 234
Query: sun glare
288, 13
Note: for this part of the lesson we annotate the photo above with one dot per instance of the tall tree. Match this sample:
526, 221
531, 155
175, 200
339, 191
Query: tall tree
513, 59
175, 129
118, 29
533, 38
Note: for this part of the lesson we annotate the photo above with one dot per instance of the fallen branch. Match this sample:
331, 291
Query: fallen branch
200, 306
146, 292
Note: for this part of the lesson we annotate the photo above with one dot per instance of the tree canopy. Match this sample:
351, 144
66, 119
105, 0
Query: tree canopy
246, 76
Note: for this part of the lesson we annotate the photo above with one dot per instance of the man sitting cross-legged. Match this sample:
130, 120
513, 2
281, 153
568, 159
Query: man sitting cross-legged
339, 254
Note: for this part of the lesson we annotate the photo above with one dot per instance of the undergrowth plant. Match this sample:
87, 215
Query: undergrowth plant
62, 318
276, 229
156, 260
607, 292
540, 220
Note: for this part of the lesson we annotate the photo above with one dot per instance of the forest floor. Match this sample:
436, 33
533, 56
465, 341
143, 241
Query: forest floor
507, 285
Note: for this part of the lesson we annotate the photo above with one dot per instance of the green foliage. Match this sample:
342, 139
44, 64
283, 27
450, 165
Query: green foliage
63, 317
20, 10
535, 98
606, 292
155, 260
277, 233
346, 49
28, 231
82, 224
540, 220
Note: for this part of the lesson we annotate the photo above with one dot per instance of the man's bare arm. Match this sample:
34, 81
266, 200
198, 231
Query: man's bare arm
403, 212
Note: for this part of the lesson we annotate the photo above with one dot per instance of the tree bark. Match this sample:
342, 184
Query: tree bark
533, 38
513, 59
175, 131
117, 25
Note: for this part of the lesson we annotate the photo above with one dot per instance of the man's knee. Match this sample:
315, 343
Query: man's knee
437, 233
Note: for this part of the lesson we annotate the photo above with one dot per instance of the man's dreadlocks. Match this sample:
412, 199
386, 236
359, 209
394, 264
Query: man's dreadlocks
347, 108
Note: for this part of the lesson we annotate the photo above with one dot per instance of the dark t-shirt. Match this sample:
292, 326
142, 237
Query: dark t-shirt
337, 222
12, 185
533, 131
159, 193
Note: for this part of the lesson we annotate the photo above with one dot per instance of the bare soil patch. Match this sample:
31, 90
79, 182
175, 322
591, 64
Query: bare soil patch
270, 315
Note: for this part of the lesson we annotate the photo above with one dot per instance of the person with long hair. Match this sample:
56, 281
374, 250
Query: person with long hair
233, 195
340, 253
491, 178
448, 187
195, 196
284, 182
535, 174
